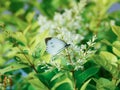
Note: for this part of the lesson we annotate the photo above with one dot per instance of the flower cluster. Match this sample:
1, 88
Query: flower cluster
67, 23
66, 26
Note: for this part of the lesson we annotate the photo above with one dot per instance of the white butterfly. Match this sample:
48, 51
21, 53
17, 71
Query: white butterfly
55, 45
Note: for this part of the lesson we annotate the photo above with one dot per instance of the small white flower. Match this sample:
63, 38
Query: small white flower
64, 27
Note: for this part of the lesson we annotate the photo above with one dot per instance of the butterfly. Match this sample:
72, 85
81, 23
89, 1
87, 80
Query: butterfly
55, 45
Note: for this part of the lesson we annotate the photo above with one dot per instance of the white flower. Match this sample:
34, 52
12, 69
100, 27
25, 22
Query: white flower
64, 27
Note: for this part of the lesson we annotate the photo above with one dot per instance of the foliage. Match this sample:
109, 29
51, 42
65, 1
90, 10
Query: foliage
91, 62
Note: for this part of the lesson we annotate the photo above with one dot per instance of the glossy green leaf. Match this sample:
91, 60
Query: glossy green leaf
116, 51
116, 48
65, 85
62, 81
116, 44
116, 30
82, 77
13, 66
18, 38
109, 57
45, 74
108, 61
35, 82
31, 87
85, 85
105, 84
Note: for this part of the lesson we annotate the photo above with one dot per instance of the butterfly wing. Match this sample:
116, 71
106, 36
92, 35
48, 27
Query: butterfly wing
54, 45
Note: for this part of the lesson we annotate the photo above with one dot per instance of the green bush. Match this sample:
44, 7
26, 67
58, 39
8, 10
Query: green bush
90, 61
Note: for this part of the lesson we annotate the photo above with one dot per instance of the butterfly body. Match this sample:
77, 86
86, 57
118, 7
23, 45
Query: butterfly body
55, 45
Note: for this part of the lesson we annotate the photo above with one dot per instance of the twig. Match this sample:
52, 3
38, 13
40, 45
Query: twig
32, 65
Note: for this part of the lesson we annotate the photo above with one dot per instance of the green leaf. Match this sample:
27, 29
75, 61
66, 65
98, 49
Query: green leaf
20, 12
85, 85
18, 4
30, 16
2, 37
13, 66
116, 51
21, 58
35, 82
106, 42
116, 44
32, 88
109, 57
11, 53
64, 85
39, 45
45, 74
105, 84
39, 50
82, 77
108, 61
116, 48
21, 24
62, 81
2, 61
26, 29
116, 30
18, 38
35, 25
46, 58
